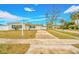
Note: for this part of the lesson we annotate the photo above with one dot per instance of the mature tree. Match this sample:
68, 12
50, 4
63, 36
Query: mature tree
74, 16
67, 25
54, 15
49, 25
48, 21
62, 21
51, 18
47, 18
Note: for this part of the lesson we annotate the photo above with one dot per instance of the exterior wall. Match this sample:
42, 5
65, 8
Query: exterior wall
55, 27
40, 27
4, 27
9, 27
26, 27
44, 27
36, 28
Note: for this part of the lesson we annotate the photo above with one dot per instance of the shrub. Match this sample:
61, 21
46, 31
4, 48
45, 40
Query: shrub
71, 27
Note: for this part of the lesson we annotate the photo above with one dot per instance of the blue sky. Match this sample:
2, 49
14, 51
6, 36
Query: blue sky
34, 13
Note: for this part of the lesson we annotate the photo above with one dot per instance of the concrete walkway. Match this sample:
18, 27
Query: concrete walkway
45, 43
41, 34
52, 49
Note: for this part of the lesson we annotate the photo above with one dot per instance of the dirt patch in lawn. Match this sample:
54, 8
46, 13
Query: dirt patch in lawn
17, 34
14, 48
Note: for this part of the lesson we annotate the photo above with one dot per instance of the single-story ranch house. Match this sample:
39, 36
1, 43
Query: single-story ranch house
19, 26
4, 27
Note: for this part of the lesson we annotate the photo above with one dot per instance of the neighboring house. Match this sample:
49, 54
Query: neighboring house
56, 26
39, 27
77, 22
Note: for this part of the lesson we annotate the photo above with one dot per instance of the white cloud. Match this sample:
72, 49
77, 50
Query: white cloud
7, 15
72, 9
29, 9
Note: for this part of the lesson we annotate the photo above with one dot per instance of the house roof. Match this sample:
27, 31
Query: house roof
24, 23
2, 25
14, 23
32, 25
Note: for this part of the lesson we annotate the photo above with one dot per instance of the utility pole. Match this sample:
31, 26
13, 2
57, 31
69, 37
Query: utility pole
22, 32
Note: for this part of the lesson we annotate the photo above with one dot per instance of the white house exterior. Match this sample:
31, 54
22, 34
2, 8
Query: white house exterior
40, 27
16, 23
24, 26
55, 26
4, 27
35, 27
77, 22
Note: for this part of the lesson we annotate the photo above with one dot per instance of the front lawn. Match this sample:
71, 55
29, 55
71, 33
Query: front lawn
60, 35
76, 45
70, 33
13, 48
17, 34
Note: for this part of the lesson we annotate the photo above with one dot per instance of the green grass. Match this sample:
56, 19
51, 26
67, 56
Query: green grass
76, 45
70, 33
13, 48
17, 34
60, 35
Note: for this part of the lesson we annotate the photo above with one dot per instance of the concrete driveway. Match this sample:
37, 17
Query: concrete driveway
49, 44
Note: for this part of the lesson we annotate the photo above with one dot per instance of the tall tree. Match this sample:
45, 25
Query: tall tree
54, 15
47, 17
48, 21
62, 21
51, 18
74, 16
